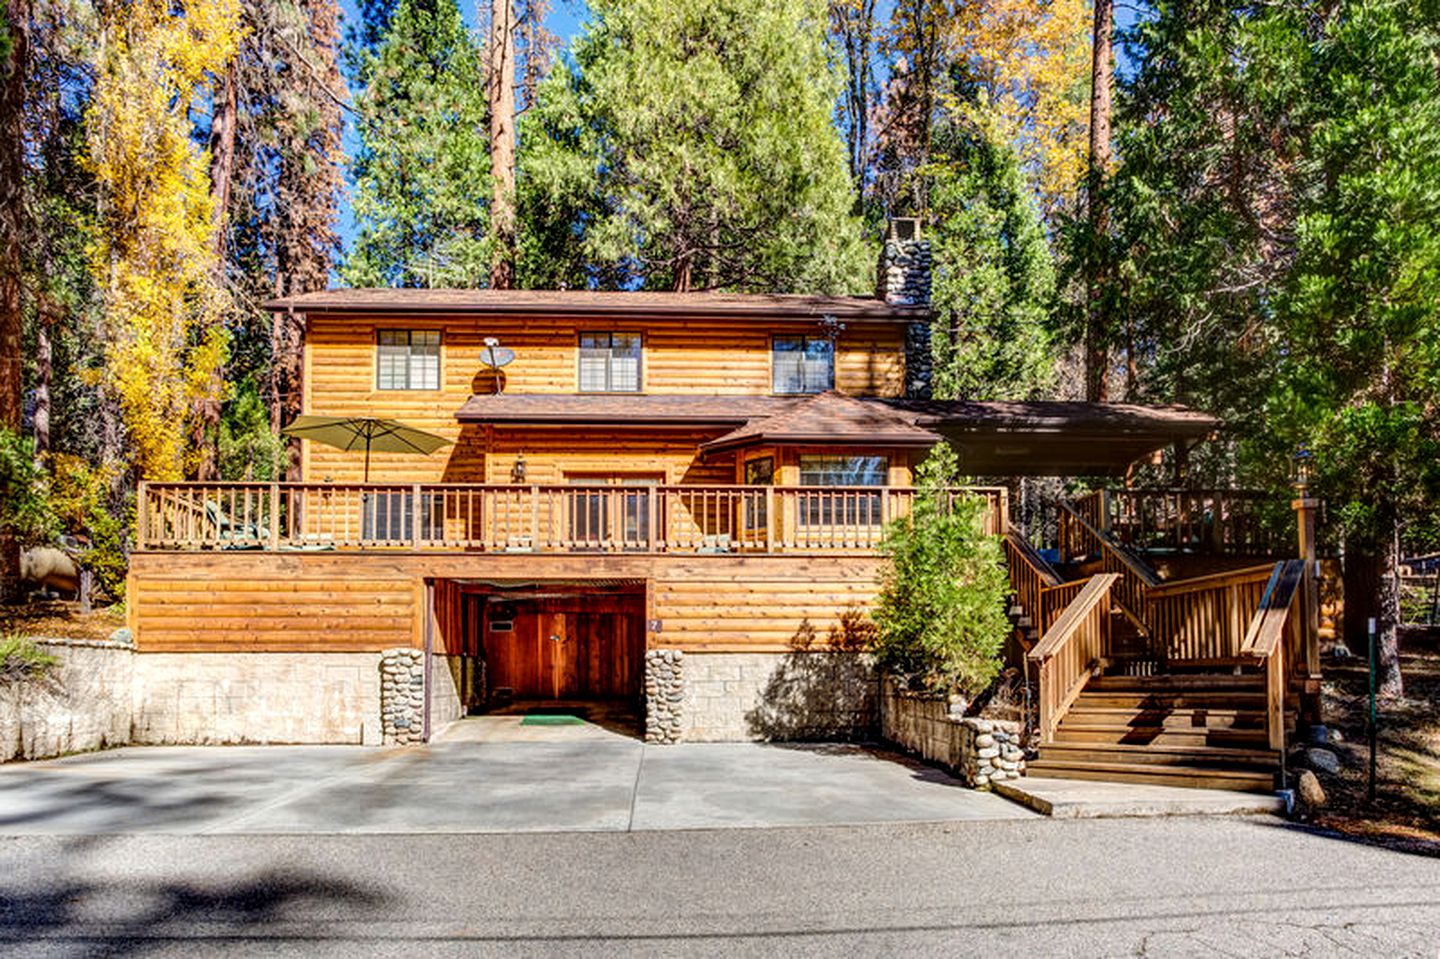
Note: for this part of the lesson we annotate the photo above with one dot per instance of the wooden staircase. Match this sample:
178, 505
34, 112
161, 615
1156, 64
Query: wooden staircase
1176, 730
1182, 683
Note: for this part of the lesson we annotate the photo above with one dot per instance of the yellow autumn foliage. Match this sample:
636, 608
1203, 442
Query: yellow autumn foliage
153, 257
1032, 61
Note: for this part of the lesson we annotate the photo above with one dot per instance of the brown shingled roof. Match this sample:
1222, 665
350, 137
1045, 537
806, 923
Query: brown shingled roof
593, 302
994, 438
830, 417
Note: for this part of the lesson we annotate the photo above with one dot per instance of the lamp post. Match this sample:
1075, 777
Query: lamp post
1305, 506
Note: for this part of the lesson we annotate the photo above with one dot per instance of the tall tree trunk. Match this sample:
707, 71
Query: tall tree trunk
46, 322
502, 142
1387, 609
222, 157
12, 240
222, 171
1096, 353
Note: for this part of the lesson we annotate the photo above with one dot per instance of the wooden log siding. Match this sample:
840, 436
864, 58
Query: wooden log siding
700, 356
253, 601
575, 517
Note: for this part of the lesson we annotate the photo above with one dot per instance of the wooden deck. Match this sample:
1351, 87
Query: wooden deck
571, 518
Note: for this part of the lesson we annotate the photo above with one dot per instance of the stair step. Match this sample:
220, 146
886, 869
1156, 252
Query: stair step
1088, 734
1244, 781
1174, 702
1194, 718
1171, 681
1210, 757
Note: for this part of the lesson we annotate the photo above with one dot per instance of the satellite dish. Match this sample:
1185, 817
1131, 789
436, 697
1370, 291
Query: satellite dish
497, 356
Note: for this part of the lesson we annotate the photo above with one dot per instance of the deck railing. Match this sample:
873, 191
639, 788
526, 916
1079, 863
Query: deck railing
517, 518
1202, 521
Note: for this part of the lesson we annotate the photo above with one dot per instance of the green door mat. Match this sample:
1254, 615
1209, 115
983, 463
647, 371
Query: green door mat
551, 719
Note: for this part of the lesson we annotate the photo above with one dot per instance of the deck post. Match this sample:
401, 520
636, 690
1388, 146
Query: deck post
770, 520
142, 513
415, 516
274, 517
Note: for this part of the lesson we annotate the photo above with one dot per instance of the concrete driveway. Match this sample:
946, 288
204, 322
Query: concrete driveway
480, 778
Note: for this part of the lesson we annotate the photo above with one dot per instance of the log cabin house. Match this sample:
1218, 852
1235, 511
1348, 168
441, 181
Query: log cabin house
673, 500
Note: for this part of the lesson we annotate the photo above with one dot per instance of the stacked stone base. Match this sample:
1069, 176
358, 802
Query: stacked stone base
402, 696
664, 695
979, 751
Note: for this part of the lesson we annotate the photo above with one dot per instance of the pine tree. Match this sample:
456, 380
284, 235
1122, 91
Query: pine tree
421, 174
1361, 309
691, 146
994, 275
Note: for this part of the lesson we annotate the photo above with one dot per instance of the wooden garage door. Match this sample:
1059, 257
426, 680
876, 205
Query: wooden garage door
586, 648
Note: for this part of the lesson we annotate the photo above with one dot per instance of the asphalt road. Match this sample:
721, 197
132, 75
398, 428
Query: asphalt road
1166, 887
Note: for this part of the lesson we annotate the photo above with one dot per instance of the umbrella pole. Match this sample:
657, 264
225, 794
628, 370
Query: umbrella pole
367, 459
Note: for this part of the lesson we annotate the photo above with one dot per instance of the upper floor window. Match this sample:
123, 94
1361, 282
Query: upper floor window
609, 362
802, 364
408, 360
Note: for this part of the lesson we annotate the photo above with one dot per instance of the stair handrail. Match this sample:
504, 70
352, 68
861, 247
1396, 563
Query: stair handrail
1136, 577
1070, 649
1039, 590
1265, 640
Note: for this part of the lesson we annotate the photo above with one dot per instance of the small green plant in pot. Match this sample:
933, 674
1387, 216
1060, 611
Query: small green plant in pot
940, 617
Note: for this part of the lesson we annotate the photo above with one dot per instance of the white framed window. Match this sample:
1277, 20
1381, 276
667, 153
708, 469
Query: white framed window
407, 360
802, 364
610, 362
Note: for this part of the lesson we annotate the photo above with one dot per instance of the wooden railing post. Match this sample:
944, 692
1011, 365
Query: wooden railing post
274, 517
769, 518
535, 518
142, 514
415, 516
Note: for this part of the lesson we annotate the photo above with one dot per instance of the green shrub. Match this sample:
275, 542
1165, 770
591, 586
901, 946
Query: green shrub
24, 506
21, 659
941, 611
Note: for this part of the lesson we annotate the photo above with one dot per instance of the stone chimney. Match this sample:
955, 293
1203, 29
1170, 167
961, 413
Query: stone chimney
903, 279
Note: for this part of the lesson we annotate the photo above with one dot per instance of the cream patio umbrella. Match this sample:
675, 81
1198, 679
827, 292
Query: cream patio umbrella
364, 432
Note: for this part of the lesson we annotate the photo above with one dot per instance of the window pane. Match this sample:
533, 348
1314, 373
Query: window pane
592, 370
843, 470
408, 360
787, 360
819, 365
760, 471
625, 362
610, 362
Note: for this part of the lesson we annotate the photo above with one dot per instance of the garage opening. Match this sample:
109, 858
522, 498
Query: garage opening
553, 648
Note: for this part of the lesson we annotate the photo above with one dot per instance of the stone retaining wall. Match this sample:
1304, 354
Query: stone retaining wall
979, 751
801, 695
256, 698
82, 703
446, 680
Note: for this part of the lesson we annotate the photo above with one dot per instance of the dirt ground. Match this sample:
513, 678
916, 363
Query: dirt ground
61, 619
1407, 793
